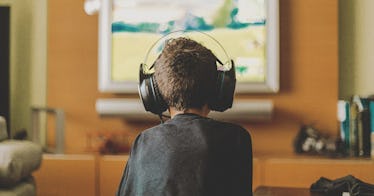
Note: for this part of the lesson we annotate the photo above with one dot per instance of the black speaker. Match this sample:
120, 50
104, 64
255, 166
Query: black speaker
225, 86
4, 63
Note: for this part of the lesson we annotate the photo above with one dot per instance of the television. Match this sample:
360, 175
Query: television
247, 29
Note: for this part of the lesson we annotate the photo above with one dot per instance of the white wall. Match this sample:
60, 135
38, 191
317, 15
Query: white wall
28, 57
356, 55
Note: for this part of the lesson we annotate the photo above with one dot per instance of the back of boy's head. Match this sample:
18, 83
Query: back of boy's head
186, 74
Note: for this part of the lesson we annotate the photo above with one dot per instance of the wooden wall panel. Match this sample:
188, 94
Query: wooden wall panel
308, 72
63, 175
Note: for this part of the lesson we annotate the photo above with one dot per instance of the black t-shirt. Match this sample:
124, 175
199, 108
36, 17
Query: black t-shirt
190, 155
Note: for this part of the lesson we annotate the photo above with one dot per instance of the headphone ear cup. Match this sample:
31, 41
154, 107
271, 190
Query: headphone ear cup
151, 96
160, 102
225, 88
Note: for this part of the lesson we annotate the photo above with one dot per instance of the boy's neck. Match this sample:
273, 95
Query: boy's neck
204, 111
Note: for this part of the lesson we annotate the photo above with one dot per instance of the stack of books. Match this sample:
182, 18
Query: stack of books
356, 121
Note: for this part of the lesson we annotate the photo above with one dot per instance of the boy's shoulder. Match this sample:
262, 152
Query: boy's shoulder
208, 122
228, 125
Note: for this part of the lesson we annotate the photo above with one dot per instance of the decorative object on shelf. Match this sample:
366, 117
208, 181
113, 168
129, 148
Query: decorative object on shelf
310, 141
20, 135
108, 142
59, 128
92, 7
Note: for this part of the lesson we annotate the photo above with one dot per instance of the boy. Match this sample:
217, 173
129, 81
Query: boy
190, 154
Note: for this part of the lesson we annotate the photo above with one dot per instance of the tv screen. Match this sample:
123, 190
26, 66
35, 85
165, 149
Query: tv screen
246, 29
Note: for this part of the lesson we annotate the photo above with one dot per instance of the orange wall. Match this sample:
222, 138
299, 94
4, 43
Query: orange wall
308, 72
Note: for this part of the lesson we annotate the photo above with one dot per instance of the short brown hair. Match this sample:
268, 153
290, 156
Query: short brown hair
186, 74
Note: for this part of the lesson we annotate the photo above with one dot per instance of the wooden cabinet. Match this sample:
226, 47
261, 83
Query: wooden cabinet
302, 172
110, 172
94, 175
65, 175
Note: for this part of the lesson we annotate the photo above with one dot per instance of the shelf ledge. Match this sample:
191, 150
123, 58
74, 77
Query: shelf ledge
132, 109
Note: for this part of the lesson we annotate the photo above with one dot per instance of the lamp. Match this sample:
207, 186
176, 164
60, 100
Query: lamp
91, 7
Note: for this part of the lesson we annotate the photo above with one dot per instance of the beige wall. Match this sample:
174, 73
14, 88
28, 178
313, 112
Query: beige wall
356, 41
28, 59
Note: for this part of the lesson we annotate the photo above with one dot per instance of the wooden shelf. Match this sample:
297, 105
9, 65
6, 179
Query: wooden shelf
101, 174
132, 109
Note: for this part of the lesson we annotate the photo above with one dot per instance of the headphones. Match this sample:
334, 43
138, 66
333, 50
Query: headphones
226, 77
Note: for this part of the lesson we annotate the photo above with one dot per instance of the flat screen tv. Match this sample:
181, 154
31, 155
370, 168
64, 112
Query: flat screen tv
247, 29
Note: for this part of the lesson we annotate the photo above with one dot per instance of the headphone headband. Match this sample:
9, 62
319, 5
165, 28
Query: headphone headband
203, 38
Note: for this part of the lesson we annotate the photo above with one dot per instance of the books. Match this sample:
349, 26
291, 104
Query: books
344, 125
371, 110
356, 122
